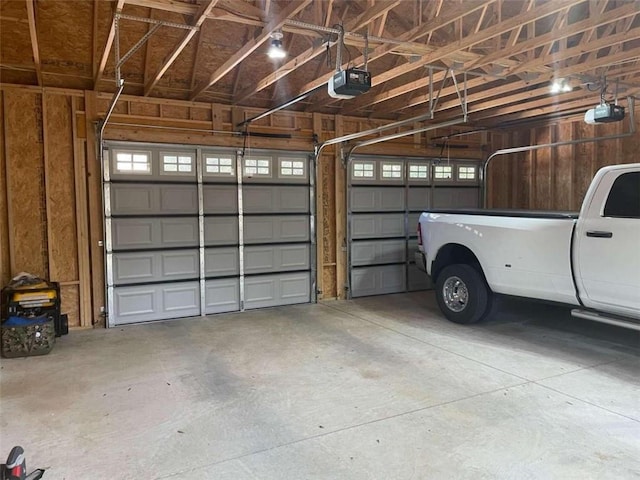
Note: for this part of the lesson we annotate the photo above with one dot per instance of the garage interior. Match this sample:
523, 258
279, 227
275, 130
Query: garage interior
234, 241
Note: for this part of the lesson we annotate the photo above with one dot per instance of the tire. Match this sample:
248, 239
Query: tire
462, 294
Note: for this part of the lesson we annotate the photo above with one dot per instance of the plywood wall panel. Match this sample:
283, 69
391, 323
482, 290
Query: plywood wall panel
25, 183
63, 246
542, 174
564, 164
69, 296
584, 155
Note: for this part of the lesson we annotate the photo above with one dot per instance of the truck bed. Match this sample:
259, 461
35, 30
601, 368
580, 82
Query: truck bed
507, 213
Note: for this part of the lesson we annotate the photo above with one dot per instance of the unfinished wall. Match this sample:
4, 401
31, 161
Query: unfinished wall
51, 220
556, 178
38, 228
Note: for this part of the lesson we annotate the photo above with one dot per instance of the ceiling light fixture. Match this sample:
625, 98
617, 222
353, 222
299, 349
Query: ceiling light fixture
275, 50
560, 85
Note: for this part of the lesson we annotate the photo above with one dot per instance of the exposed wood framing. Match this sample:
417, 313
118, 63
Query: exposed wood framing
199, 19
31, 13
340, 214
381, 8
412, 35
82, 220
119, 4
278, 21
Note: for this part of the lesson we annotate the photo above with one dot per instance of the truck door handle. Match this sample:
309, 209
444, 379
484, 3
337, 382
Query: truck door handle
599, 234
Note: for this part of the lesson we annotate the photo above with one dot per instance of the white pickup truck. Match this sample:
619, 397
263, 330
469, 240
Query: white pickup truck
589, 260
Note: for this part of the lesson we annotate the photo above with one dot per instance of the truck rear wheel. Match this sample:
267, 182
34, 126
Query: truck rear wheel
462, 294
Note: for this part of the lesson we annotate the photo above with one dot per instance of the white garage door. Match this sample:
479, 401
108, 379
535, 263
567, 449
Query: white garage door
385, 198
194, 231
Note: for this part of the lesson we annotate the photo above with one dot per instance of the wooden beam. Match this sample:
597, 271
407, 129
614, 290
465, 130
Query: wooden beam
380, 9
119, 4
292, 9
534, 65
198, 20
446, 18
94, 41
627, 9
33, 33
82, 220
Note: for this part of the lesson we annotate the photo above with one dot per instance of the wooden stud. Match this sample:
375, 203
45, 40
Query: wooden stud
340, 214
47, 176
107, 47
31, 14
320, 213
5, 271
94, 189
82, 221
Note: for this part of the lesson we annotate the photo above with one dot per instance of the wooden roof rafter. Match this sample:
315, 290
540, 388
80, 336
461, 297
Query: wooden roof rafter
118, 5
277, 22
379, 9
412, 35
33, 33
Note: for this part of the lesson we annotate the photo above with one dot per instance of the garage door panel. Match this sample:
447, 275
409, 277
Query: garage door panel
272, 290
371, 199
135, 267
138, 267
276, 258
377, 252
451, 197
175, 241
181, 298
220, 199
180, 264
377, 225
378, 280
219, 262
133, 199
222, 295
419, 198
178, 232
275, 199
220, 231
143, 303
276, 229
178, 199
412, 220
129, 233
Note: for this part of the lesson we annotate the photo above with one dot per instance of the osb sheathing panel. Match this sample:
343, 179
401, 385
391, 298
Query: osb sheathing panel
59, 40
70, 305
15, 42
174, 111
144, 109
18, 77
161, 44
5, 269
63, 245
25, 182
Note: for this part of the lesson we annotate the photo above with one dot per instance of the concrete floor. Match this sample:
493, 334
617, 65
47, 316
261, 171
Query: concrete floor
377, 388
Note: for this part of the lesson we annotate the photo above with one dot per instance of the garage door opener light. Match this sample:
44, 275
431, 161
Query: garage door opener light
276, 51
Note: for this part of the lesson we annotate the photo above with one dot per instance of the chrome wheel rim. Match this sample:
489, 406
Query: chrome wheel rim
455, 294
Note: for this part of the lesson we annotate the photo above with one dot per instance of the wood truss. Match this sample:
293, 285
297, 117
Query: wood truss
502, 53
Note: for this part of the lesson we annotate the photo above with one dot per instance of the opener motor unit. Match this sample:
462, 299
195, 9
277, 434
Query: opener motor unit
604, 113
349, 83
